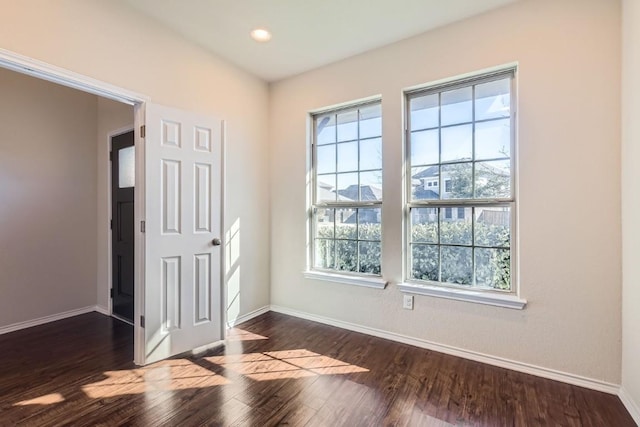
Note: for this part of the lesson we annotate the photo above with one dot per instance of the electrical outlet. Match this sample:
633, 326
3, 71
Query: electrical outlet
407, 302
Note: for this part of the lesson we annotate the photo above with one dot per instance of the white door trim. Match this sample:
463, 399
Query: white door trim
32, 67
42, 70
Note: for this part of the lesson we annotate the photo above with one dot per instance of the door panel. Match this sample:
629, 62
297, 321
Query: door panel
183, 194
122, 233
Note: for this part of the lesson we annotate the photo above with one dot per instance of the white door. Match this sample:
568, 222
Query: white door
182, 250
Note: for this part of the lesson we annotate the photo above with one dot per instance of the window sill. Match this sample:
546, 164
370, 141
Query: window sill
506, 301
369, 282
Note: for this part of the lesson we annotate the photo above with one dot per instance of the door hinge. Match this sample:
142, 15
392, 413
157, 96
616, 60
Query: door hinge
142, 321
143, 226
143, 131
111, 224
111, 156
111, 292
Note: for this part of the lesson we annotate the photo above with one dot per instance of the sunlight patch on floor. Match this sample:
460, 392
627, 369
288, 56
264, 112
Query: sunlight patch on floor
236, 334
182, 374
167, 375
47, 399
272, 365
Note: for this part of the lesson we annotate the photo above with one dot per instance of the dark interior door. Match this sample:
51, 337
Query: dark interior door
122, 234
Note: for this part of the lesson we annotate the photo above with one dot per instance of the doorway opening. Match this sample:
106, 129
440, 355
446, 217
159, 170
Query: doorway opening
177, 293
122, 156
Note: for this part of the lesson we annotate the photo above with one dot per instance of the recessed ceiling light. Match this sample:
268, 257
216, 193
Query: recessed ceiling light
261, 35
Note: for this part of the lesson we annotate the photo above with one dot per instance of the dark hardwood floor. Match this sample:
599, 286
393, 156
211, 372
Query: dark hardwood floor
275, 370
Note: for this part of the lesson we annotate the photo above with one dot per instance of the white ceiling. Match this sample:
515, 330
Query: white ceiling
306, 33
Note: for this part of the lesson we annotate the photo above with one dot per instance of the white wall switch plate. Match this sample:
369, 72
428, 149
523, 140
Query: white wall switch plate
407, 302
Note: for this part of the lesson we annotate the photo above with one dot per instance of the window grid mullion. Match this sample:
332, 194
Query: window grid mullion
335, 234
473, 245
440, 191
441, 187
439, 213
495, 119
335, 118
473, 184
358, 240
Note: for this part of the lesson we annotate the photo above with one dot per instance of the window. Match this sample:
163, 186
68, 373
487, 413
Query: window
463, 134
347, 196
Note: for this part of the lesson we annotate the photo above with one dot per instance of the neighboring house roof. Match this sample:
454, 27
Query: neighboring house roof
367, 192
434, 171
421, 194
326, 192
431, 171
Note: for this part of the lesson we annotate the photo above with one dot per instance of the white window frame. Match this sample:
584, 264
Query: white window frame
334, 275
503, 298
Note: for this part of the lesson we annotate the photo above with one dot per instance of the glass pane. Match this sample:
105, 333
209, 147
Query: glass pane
424, 225
493, 179
425, 147
424, 262
457, 181
326, 158
369, 223
371, 185
371, 154
346, 255
324, 253
348, 126
424, 112
453, 229
456, 265
325, 190
456, 106
493, 139
425, 183
347, 186
371, 121
326, 129
348, 157
324, 223
346, 223
493, 268
493, 226
126, 167
457, 143
493, 99
369, 257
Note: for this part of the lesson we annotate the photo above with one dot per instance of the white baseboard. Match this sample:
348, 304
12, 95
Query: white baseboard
630, 404
454, 351
102, 310
47, 319
241, 319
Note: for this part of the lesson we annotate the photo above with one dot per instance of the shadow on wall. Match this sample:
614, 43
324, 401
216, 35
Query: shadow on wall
232, 272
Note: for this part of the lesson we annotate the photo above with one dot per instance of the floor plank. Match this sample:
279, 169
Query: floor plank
274, 370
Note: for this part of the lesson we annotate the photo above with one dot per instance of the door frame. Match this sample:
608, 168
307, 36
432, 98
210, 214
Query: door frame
44, 71
109, 246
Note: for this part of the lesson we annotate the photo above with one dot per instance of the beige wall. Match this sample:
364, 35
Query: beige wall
109, 42
631, 202
48, 199
569, 185
112, 116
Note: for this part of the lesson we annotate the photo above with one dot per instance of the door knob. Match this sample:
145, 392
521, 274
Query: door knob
216, 242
